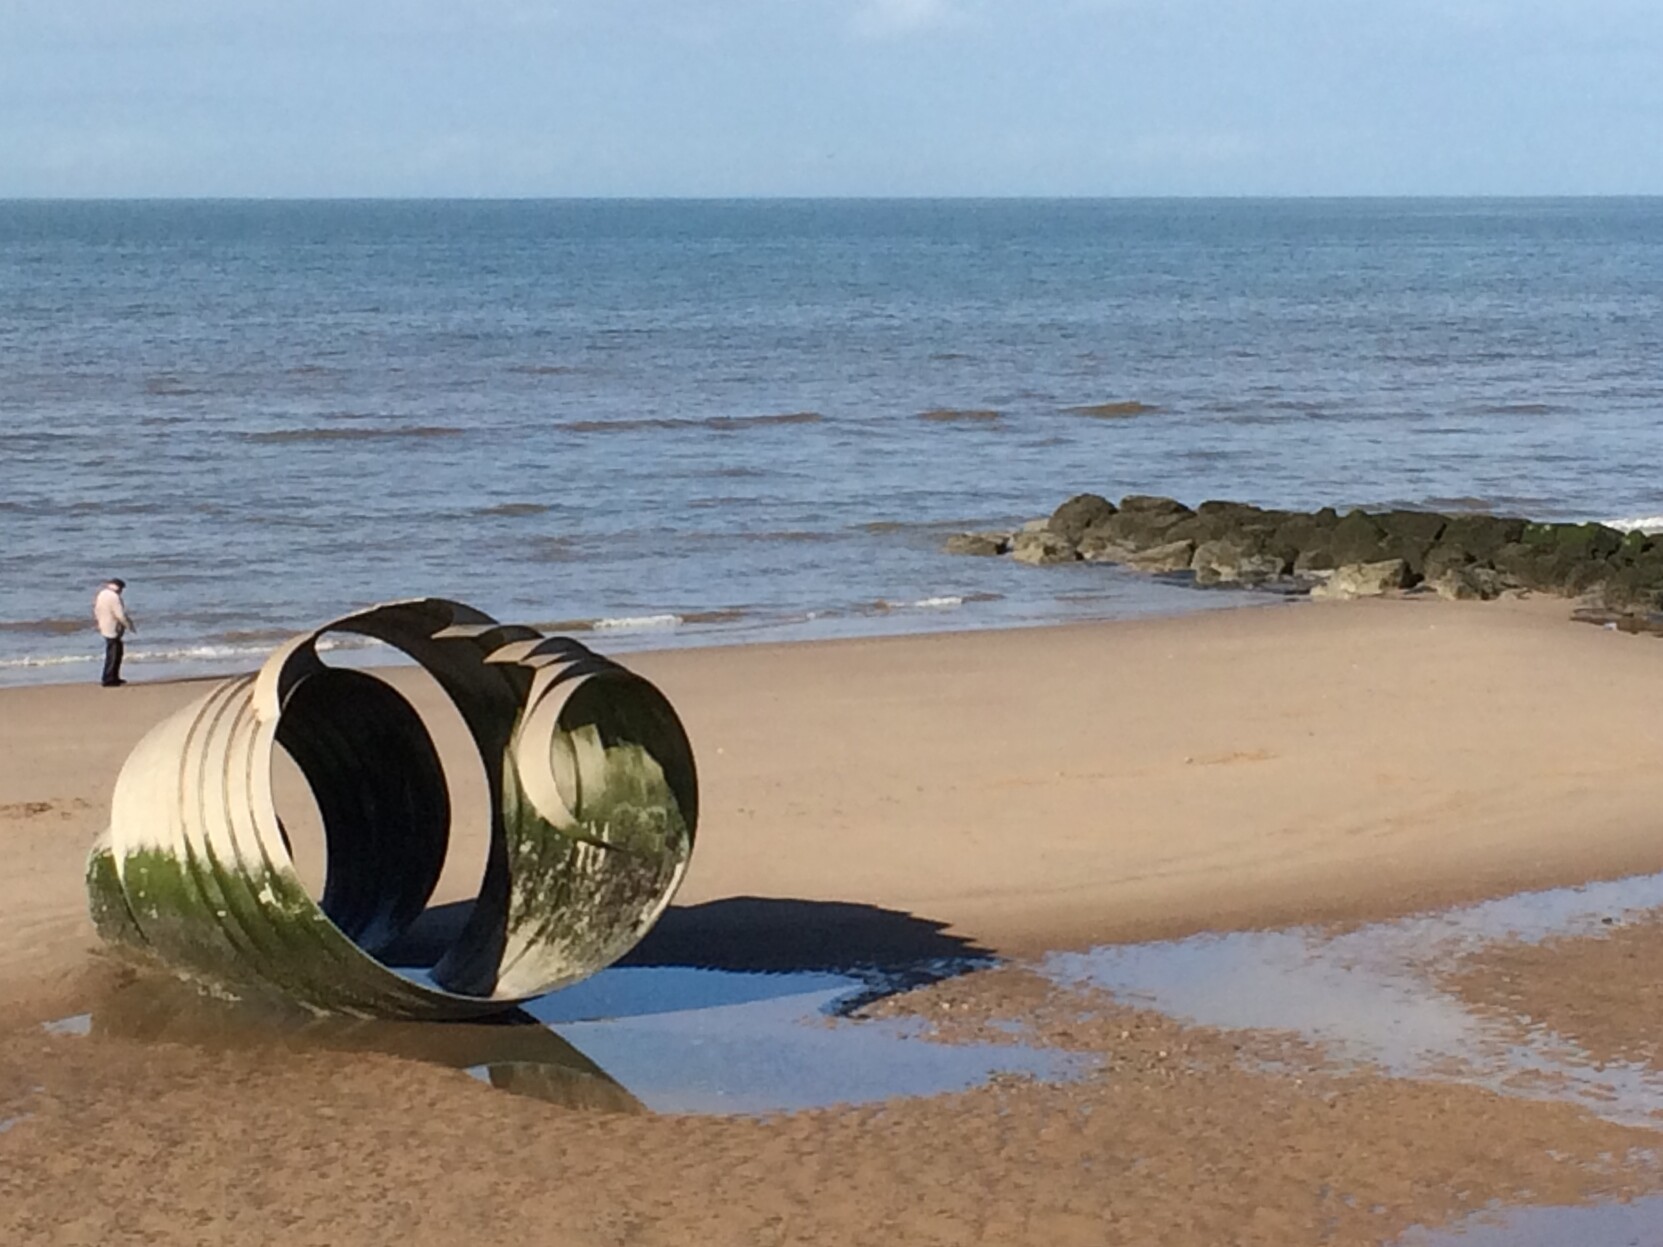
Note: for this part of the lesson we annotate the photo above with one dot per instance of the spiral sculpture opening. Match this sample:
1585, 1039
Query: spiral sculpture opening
594, 804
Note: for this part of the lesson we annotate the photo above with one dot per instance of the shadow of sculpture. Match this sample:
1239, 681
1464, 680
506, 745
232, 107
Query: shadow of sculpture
888, 950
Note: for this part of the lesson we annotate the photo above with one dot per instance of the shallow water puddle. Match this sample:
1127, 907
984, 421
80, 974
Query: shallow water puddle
1368, 996
1638, 1223
657, 1039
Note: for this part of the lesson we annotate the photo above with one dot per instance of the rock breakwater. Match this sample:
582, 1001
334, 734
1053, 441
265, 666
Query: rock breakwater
1355, 554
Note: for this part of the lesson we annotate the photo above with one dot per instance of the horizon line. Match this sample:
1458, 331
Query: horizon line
849, 198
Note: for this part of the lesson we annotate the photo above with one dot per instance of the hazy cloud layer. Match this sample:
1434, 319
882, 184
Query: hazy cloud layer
740, 97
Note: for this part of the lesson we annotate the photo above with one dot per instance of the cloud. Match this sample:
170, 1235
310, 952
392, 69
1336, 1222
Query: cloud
878, 19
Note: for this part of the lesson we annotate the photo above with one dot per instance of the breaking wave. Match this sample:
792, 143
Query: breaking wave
1648, 524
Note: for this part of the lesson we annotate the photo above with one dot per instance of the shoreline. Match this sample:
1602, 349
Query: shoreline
1230, 598
1041, 788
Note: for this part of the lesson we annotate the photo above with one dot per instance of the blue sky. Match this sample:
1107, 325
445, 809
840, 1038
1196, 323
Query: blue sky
830, 97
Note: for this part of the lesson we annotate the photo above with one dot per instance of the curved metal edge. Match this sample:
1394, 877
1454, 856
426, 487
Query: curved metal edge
600, 813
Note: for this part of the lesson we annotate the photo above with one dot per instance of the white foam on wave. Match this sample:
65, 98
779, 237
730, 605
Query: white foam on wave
636, 623
50, 660
1648, 524
181, 654
938, 603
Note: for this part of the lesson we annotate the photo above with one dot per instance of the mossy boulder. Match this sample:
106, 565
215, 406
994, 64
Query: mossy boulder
1633, 589
1416, 528
1482, 535
1548, 568
1153, 504
1576, 541
1356, 539
1079, 513
1634, 547
1227, 542
1446, 556
1133, 528
1204, 526
1363, 580
1232, 515
1244, 558
1306, 532
1174, 556
1042, 548
984, 544
1471, 582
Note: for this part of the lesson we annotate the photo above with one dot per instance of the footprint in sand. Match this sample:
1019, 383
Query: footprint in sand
1229, 759
40, 809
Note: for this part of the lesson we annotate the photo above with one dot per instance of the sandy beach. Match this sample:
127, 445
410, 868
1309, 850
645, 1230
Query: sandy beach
1014, 793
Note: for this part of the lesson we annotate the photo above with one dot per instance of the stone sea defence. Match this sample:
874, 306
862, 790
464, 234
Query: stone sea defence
1329, 554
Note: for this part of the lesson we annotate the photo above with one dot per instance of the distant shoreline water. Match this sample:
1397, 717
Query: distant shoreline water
713, 421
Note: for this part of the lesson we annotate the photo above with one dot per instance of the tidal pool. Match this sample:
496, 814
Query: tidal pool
1637, 1223
630, 1039
1370, 995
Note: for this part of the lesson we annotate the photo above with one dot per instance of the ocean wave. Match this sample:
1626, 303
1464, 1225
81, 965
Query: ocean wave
283, 437
964, 415
1112, 411
515, 509
636, 623
543, 370
1454, 502
937, 602
1516, 409
169, 387
722, 424
50, 660
789, 535
249, 648
882, 528
1648, 524
552, 550
645, 623
46, 627
253, 636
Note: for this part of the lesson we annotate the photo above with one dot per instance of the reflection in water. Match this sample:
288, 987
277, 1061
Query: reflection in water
515, 1052
1369, 995
660, 1038
1599, 1225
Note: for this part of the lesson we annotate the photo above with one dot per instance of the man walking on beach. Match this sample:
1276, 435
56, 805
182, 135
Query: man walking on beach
110, 613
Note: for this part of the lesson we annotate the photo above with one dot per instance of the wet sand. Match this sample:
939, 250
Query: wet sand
1009, 792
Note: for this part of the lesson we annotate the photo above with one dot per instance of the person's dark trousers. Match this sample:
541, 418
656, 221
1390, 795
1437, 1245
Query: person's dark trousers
112, 660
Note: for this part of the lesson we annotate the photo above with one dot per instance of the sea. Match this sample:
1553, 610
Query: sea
655, 423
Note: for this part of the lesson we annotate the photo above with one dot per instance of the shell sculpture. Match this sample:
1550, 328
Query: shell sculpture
594, 802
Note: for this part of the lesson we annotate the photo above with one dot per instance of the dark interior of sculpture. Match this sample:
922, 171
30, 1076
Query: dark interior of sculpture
381, 794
